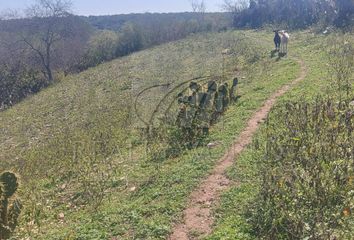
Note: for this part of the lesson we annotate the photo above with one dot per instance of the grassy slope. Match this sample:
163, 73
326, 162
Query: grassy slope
96, 98
72, 102
231, 222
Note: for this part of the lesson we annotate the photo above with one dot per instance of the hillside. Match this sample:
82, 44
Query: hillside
87, 98
83, 162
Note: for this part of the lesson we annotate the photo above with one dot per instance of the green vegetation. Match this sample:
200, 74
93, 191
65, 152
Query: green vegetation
295, 181
76, 125
292, 14
9, 209
197, 112
87, 168
306, 189
183, 23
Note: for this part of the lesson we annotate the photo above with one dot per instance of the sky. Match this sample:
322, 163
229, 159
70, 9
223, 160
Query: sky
109, 7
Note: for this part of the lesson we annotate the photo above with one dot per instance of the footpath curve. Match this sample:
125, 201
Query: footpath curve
197, 217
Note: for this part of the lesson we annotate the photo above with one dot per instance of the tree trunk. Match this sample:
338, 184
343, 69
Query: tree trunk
47, 65
49, 74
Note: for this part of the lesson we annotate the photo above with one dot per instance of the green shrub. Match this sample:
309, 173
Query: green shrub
16, 82
101, 48
307, 189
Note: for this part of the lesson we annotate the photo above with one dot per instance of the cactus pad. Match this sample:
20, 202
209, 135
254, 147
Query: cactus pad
10, 183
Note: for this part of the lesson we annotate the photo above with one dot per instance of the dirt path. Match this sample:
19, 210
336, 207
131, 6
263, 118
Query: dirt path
198, 220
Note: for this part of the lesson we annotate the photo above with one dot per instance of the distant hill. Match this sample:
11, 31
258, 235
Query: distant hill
115, 22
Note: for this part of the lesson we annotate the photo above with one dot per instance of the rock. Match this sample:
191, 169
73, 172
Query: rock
213, 144
61, 216
226, 51
351, 104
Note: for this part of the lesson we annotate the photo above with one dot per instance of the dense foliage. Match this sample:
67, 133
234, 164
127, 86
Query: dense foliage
34, 50
105, 45
165, 25
307, 189
295, 14
16, 82
120, 35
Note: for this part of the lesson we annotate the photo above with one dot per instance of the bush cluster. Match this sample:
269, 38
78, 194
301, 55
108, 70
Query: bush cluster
307, 189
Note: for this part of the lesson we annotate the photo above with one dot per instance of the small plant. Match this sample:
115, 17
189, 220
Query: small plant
10, 209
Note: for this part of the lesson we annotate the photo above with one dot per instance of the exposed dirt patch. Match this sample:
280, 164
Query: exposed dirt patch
198, 220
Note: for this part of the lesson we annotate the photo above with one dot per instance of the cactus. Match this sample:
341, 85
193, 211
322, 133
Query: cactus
218, 102
195, 87
222, 98
224, 89
235, 82
9, 209
202, 98
233, 90
212, 86
185, 99
193, 100
180, 98
204, 110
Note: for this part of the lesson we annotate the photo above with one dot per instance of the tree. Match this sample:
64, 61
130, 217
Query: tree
36, 45
17, 79
9, 14
101, 47
345, 13
235, 6
130, 39
198, 6
50, 24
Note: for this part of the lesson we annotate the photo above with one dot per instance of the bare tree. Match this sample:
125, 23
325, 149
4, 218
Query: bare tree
10, 14
198, 6
50, 9
48, 26
34, 46
235, 6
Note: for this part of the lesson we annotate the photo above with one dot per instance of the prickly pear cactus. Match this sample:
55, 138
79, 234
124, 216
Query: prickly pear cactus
204, 110
193, 99
10, 208
224, 91
219, 107
233, 90
195, 87
212, 86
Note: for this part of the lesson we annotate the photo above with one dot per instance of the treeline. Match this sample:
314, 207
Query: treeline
38, 49
119, 35
293, 14
158, 28
105, 45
